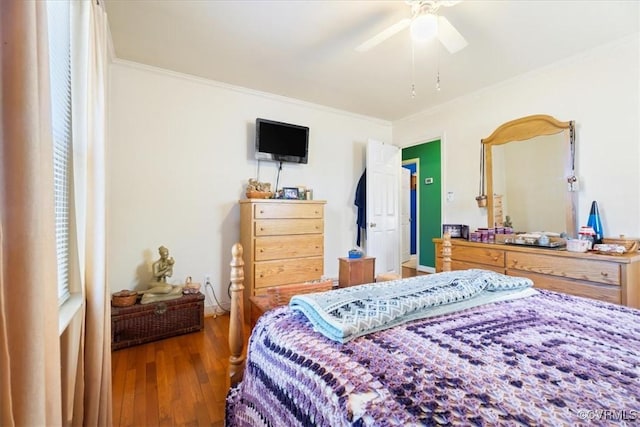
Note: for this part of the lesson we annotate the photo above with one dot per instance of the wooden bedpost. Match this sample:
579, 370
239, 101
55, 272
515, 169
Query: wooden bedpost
446, 252
236, 319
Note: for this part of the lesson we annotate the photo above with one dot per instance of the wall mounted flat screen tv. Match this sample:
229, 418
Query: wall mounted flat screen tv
282, 142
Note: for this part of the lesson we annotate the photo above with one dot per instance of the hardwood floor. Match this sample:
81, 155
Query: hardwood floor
179, 381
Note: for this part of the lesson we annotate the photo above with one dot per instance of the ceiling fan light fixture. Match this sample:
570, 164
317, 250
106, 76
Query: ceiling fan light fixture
424, 27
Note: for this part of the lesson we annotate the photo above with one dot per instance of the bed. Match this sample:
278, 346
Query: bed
488, 350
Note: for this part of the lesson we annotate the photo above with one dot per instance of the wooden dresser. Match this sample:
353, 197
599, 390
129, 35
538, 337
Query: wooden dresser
283, 243
604, 277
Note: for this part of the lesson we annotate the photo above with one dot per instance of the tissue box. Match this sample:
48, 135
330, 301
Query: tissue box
577, 245
355, 254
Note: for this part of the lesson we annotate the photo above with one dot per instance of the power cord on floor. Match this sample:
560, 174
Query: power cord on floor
210, 286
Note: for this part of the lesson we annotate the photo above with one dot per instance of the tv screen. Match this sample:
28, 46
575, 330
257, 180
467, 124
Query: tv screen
282, 142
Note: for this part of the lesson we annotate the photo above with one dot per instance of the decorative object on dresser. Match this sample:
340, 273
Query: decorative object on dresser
290, 193
456, 230
595, 222
283, 242
611, 278
258, 190
356, 271
630, 245
141, 323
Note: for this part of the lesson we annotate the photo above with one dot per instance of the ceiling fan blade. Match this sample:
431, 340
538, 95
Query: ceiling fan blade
383, 35
449, 36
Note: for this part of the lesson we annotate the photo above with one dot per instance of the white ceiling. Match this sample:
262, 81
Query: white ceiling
305, 49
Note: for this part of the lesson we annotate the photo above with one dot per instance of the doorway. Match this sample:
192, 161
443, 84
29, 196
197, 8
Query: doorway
411, 208
428, 194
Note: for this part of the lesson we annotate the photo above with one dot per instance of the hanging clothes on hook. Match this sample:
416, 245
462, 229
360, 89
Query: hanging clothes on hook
361, 203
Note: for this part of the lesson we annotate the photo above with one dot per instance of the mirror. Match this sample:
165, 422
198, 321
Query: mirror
529, 167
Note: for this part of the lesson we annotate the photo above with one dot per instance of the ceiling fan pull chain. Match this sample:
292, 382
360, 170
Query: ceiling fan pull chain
413, 70
437, 69
438, 66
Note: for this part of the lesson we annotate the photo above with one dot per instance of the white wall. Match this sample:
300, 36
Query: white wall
180, 153
599, 90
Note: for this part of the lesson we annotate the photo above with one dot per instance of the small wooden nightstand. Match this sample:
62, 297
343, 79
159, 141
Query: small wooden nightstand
356, 271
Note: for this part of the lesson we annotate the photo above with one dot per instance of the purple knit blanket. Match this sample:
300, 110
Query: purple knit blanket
549, 359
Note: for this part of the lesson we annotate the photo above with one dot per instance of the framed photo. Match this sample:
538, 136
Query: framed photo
290, 193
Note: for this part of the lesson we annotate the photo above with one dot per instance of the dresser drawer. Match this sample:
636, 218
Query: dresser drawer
278, 227
609, 293
282, 272
485, 256
281, 210
279, 247
574, 268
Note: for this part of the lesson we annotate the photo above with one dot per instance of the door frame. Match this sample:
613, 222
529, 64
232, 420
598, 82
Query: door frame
443, 147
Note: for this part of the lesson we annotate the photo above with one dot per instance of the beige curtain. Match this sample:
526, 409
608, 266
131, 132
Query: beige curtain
47, 379
29, 341
91, 366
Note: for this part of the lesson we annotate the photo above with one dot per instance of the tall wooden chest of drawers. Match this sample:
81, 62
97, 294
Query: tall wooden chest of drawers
283, 243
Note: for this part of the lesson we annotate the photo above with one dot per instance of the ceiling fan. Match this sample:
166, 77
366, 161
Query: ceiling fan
424, 23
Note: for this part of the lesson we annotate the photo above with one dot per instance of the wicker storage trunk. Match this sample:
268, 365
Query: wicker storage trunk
139, 323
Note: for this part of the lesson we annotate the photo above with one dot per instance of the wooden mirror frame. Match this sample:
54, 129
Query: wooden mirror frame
526, 128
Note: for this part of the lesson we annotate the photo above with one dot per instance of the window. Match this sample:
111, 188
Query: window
58, 21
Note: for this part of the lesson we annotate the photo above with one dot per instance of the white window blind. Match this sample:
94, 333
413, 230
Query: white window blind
58, 21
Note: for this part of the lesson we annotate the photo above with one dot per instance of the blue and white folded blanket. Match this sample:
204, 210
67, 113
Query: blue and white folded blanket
344, 314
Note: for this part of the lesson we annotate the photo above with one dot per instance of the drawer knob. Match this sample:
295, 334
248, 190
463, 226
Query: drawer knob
261, 250
604, 274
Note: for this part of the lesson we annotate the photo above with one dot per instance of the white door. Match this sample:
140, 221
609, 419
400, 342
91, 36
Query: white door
383, 206
405, 214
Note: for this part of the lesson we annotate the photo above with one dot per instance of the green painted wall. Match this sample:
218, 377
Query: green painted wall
429, 197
